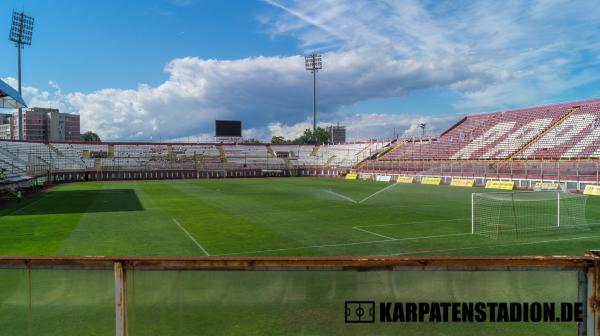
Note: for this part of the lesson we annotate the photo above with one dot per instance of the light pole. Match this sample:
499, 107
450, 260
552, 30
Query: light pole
313, 64
423, 126
21, 32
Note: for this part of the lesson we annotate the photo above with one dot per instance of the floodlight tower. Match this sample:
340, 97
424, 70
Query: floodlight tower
423, 126
21, 32
313, 64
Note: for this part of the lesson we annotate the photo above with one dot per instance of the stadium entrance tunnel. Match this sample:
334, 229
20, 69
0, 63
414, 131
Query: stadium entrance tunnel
84, 201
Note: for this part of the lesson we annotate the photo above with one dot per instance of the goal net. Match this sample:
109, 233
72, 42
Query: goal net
512, 214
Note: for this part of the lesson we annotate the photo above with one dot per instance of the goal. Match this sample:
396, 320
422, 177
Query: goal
511, 214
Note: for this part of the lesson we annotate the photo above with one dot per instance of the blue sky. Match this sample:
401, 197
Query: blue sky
165, 69
88, 45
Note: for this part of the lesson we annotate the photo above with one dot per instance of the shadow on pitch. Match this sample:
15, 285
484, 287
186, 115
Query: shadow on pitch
84, 201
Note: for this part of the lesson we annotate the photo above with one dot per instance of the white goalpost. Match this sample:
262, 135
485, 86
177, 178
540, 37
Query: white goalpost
511, 214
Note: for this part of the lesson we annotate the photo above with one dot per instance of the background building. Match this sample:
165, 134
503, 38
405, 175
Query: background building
337, 134
41, 124
5, 130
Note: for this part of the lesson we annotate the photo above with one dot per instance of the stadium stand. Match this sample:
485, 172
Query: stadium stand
569, 130
36, 158
557, 142
548, 141
486, 136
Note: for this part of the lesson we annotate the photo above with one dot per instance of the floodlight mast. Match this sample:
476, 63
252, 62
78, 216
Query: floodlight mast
21, 32
313, 64
423, 126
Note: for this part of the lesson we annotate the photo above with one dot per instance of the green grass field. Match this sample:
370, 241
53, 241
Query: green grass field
260, 217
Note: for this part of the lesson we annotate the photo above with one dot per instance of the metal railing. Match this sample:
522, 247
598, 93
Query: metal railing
281, 291
575, 170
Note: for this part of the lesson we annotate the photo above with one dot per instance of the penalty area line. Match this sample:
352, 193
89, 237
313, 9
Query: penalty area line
419, 222
306, 247
387, 240
494, 246
373, 233
192, 238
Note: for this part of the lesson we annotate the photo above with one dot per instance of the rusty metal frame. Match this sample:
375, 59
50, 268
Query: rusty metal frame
588, 267
587, 260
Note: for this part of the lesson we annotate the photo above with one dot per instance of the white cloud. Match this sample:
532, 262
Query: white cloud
529, 49
493, 54
259, 91
371, 125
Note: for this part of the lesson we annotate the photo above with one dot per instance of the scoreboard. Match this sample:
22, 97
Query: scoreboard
228, 128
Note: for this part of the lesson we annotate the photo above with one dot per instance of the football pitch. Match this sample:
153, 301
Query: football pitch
264, 217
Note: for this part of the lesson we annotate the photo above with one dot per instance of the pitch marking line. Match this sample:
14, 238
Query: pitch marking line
192, 238
377, 192
388, 239
340, 195
494, 246
307, 247
373, 233
411, 238
419, 222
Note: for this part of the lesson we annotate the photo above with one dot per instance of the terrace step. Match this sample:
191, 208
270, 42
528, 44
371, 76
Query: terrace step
98, 165
222, 155
383, 154
55, 150
172, 157
37, 165
363, 150
314, 151
11, 167
289, 166
543, 132
199, 161
329, 161
13, 157
270, 151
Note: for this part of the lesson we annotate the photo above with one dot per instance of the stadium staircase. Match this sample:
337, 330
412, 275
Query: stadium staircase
314, 151
55, 150
359, 153
111, 151
199, 161
38, 166
383, 154
543, 133
270, 151
171, 154
288, 165
11, 167
222, 155
98, 165
12, 157
330, 161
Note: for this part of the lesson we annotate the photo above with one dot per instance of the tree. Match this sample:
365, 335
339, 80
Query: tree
90, 136
278, 140
321, 135
308, 138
